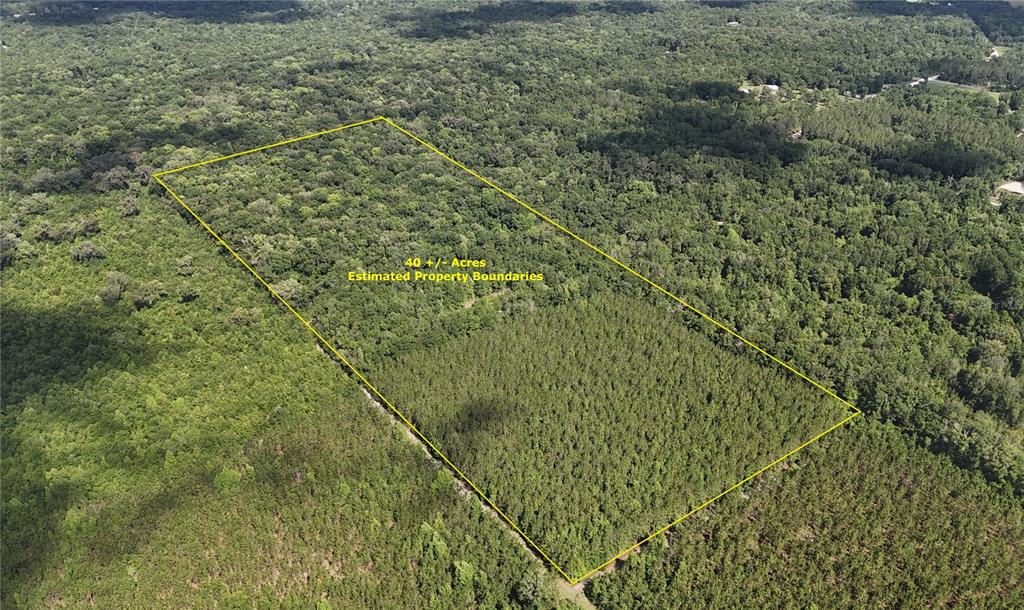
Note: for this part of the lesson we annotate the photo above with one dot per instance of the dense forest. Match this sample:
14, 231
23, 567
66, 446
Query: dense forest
172, 426
833, 530
598, 422
368, 199
172, 438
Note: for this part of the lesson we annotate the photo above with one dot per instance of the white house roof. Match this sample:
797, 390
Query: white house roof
1015, 187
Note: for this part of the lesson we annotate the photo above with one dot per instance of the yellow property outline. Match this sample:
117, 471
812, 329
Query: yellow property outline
571, 580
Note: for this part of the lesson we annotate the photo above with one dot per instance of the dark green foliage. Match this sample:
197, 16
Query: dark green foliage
147, 293
1017, 100
361, 211
304, 226
853, 237
169, 457
129, 206
85, 251
45, 179
114, 179
595, 423
9, 244
832, 532
1001, 22
916, 133
114, 287
69, 231
36, 203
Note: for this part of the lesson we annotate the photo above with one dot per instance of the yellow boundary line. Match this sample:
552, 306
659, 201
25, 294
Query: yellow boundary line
855, 411
274, 145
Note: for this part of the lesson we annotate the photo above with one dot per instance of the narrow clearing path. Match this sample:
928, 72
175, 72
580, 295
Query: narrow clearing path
564, 589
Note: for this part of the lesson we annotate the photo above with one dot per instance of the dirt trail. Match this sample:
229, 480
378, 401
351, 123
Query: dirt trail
564, 589
575, 594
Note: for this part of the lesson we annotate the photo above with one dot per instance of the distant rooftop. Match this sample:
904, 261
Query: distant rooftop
1015, 187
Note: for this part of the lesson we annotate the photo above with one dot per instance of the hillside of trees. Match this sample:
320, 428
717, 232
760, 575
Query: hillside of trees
845, 221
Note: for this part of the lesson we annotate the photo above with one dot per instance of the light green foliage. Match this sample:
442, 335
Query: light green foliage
832, 531
373, 213
598, 422
227, 480
135, 440
853, 237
